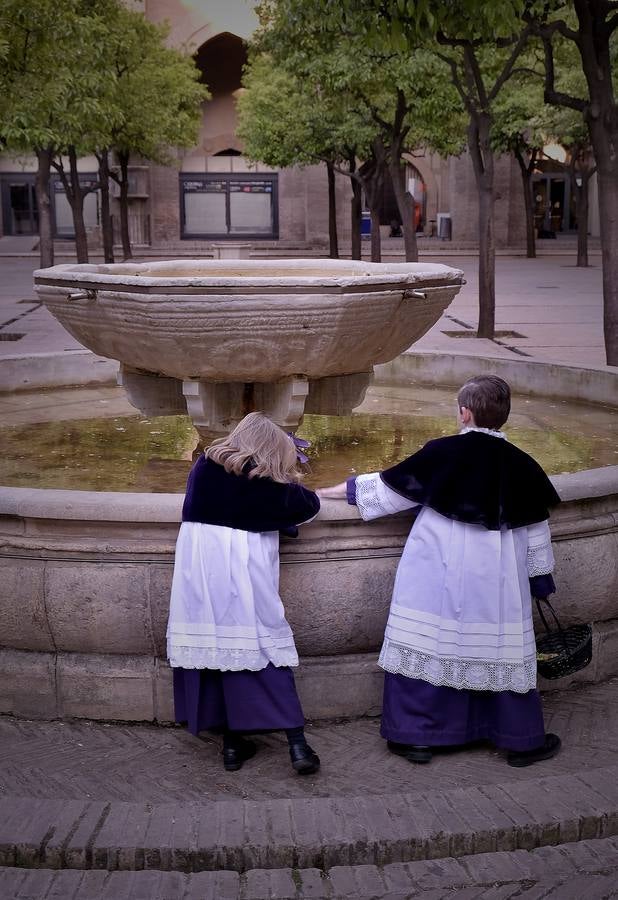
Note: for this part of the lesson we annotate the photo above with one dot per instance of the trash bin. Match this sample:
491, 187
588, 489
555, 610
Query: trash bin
365, 224
445, 226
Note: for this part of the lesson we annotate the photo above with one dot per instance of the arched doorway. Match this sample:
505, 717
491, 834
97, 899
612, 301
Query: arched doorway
221, 61
415, 184
227, 201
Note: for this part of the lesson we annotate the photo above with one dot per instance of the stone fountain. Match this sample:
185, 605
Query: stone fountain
85, 576
218, 338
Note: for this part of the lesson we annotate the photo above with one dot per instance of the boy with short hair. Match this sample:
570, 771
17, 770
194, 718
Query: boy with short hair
459, 650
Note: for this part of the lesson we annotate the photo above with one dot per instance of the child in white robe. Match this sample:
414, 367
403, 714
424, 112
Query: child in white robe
459, 650
229, 643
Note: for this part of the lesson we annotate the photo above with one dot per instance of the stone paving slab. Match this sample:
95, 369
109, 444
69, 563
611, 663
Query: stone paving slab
587, 870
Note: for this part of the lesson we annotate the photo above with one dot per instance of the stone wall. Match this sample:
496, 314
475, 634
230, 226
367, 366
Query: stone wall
86, 579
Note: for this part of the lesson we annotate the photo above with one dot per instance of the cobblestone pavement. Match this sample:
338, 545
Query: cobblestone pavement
94, 761
587, 870
97, 811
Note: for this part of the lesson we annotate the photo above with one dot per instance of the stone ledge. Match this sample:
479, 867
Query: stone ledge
316, 833
133, 688
535, 378
588, 866
43, 370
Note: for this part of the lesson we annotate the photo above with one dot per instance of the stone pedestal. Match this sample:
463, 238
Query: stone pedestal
219, 407
337, 395
153, 395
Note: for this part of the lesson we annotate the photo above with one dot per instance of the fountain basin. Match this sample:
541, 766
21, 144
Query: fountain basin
248, 320
86, 580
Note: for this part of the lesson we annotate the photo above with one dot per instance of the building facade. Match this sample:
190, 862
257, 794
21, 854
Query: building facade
214, 194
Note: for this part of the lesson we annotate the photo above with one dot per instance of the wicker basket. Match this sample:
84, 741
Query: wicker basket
562, 651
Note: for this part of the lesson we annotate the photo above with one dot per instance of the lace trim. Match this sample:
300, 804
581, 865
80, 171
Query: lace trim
491, 431
232, 660
540, 560
468, 674
374, 498
367, 498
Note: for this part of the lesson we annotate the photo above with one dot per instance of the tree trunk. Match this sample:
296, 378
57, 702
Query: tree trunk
46, 239
581, 205
106, 218
405, 205
356, 204
333, 243
601, 116
376, 237
371, 174
487, 262
356, 209
526, 170
607, 174
123, 159
483, 163
76, 199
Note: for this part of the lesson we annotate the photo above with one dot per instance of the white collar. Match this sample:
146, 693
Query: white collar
491, 431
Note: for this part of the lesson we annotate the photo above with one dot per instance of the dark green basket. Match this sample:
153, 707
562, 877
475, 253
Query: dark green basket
569, 649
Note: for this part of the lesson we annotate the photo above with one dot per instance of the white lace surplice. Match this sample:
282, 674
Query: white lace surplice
225, 608
461, 613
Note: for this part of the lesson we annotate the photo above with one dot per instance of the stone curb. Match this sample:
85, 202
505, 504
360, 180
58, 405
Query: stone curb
36, 371
588, 868
313, 833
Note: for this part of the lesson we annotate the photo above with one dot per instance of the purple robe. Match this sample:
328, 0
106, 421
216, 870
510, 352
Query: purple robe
210, 700
416, 712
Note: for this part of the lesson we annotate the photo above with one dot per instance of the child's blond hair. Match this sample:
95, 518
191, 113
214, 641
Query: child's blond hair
258, 441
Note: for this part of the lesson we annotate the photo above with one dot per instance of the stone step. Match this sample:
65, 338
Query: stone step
320, 832
569, 871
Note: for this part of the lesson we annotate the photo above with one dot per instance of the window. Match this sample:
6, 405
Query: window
219, 206
63, 216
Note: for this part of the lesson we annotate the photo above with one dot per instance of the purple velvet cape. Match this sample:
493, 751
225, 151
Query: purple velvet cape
217, 497
475, 478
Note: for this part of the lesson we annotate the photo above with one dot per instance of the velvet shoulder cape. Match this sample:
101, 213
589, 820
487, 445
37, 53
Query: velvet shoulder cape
217, 497
476, 478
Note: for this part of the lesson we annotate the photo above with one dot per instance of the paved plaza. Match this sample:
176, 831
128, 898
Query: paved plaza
119, 799
108, 810
549, 309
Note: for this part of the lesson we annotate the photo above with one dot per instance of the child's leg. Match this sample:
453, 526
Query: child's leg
304, 760
236, 750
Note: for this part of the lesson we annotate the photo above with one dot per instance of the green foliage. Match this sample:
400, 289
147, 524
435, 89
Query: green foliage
84, 74
340, 84
156, 89
285, 120
51, 72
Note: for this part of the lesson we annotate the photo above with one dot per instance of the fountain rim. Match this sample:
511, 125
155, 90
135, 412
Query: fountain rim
127, 276
165, 508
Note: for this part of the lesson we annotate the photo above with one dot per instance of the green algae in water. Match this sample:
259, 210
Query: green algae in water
129, 452
126, 453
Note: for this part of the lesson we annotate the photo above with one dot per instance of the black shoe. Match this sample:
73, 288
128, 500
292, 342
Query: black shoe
234, 757
412, 752
304, 760
549, 748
